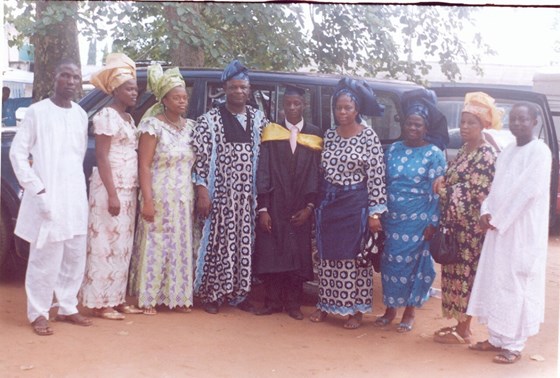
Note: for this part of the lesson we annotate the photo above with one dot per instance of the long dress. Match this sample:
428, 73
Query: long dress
353, 187
407, 269
162, 262
513, 258
110, 238
469, 177
227, 150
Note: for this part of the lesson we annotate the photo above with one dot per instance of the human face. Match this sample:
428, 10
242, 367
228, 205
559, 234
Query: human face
176, 101
293, 108
521, 124
414, 129
345, 110
127, 93
66, 81
470, 128
237, 92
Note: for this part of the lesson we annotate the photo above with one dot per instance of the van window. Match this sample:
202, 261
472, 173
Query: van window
387, 127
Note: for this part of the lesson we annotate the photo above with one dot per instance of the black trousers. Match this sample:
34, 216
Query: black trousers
283, 290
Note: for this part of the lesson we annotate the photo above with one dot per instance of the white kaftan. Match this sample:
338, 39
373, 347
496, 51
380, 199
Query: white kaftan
57, 140
508, 292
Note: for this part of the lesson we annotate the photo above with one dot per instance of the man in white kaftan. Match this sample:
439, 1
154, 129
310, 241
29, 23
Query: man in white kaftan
54, 210
508, 292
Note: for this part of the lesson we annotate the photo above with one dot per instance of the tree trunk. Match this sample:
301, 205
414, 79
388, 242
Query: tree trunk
182, 54
57, 41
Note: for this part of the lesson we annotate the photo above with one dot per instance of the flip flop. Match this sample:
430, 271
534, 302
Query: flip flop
507, 357
444, 330
149, 311
485, 346
355, 321
318, 316
76, 319
183, 309
129, 309
108, 313
404, 327
450, 337
382, 321
41, 326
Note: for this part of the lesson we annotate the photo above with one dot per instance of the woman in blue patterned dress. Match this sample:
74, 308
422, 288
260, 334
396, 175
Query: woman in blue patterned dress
407, 269
351, 199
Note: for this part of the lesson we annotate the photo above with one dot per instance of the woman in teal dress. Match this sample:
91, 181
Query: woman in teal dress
413, 164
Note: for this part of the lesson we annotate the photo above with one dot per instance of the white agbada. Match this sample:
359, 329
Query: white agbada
509, 287
57, 138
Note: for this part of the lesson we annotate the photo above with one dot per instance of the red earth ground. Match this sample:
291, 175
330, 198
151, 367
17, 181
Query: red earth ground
238, 344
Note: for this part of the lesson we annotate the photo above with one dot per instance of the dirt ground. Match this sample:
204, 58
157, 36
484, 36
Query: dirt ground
238, 344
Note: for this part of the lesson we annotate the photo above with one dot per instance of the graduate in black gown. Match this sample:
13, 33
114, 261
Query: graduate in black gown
287, 186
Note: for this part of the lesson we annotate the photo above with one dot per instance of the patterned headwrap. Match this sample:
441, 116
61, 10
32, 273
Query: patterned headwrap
423, 102
484, 108
118, 69
361, 94
160, 83
235, 70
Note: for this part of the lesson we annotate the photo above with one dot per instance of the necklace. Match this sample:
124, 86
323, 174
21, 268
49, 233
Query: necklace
174, 124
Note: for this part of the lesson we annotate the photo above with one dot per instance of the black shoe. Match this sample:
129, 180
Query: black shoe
296, 314
211, 307
268, 310
246, 306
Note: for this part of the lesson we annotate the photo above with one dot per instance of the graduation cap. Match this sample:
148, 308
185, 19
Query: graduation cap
294, 90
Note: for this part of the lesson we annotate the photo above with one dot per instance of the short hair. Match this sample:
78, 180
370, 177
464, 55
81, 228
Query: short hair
65, 62
531, 107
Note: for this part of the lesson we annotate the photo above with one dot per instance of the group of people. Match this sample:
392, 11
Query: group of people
256, 189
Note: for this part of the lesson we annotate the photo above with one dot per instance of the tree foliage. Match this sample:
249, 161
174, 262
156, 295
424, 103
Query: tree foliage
388, 40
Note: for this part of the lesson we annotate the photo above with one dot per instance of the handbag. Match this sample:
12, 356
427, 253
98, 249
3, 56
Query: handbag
444, 246
370, 252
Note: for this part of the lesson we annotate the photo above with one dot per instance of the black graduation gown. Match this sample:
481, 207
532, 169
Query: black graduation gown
286, 183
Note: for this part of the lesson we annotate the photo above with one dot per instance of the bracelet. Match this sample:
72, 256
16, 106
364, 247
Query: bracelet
310, 206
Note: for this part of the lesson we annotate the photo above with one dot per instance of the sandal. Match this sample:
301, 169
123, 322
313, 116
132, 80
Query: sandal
382, 321
450, 337
485, 346
445, 330
76, 319
128, 309
183, 309
149, 310
354, 321
404, 327
318, 316
108, 313
41, 326
507, 357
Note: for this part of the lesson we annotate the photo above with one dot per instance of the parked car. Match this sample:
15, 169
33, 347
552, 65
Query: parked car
450, 102
205, 90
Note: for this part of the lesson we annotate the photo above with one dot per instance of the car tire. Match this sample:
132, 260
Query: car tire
6, 240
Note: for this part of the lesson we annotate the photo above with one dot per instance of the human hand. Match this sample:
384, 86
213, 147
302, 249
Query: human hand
299, 218
43, 206
148, 211
114, 205
439, 184
374, 225
203, 203
429, 232
484, 222
265, 221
